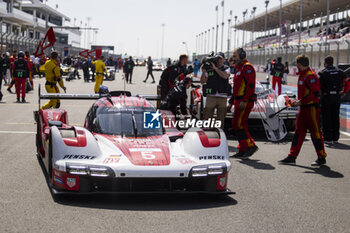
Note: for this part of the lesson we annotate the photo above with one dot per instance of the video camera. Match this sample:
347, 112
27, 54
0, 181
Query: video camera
211, 58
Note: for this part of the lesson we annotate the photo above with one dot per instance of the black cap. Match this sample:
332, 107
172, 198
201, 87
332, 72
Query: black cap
221, 54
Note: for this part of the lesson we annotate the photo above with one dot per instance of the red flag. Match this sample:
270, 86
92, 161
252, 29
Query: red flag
39, 50
51, 36
84, 53
48, 41
95, 53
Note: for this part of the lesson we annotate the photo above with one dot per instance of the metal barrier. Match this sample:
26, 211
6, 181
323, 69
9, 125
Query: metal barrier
339, 49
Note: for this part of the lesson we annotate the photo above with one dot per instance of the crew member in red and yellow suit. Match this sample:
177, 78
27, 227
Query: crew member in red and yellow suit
30, 63
309, 114
100, 69
12, 60
53, 76
243, 98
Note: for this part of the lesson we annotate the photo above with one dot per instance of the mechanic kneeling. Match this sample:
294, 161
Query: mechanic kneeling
177, 95
171, 74
216, 89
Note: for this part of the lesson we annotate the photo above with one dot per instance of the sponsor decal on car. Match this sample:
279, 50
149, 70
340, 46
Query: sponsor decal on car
78, 157
212, 157
145, 149
112, 159
185, 161
58, 174
57, 180
71, 182
222, 181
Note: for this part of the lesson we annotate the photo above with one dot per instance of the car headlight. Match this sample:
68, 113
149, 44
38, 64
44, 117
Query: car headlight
100, 171
77, 169
97, 171
208, 170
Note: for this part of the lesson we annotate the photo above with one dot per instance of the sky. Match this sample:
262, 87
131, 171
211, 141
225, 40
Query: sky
134, 26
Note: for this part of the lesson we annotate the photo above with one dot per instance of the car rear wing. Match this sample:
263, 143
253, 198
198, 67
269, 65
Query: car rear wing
65, 96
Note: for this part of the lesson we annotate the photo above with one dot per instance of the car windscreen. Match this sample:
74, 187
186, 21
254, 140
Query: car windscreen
123, 123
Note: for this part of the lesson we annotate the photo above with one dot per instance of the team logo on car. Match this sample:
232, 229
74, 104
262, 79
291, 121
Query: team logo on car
151, 120
71, 182
222, 181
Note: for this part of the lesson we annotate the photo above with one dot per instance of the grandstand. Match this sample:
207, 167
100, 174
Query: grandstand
316, 37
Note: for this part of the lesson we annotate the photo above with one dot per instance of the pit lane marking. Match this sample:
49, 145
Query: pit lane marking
17, 132
345, 133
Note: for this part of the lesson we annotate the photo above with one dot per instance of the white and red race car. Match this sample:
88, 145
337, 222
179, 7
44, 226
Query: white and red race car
117, 151
276, 102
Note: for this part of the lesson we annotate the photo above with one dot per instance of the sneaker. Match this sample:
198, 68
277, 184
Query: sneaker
288, 160
319, 162
9, 90
24, 100
18, 101
328, 142
250, 151
144, 81
153, 82
238, 155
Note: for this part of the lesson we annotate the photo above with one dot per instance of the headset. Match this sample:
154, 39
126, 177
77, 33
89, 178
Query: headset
241, 53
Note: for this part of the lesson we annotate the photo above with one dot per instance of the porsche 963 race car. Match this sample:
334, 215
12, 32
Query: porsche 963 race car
117, 152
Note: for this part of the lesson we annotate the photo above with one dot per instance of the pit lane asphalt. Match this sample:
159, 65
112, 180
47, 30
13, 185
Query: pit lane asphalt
269, 197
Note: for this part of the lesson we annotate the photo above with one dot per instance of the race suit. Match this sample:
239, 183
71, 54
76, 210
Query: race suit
309, 114
52, 75
278, 70
169, 76
21, 71
243, 91
13, 81
176, 96
30, 63
100, 69
332, 83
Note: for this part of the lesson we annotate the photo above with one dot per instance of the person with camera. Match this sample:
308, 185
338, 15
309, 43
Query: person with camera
242, 99
215, 77
332, 82
171, 74
278, 69
178, 96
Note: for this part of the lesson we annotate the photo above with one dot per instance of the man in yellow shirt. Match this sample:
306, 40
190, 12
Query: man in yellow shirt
53, 75
100, 68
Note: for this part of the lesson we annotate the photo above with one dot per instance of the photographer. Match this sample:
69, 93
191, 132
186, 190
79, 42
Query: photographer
171, 74
215, 74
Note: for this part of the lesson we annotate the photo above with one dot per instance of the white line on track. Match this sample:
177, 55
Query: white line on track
17, 132
345, 133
